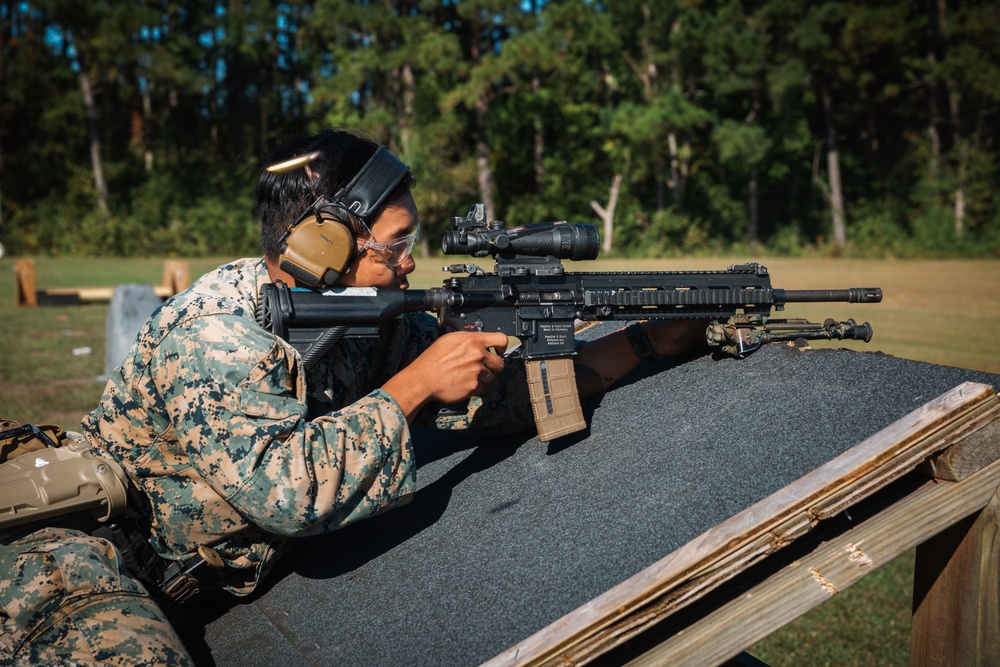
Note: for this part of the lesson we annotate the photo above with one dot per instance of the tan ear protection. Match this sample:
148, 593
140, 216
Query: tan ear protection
319, 246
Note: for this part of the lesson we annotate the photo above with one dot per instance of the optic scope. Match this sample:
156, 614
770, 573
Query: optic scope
474, 236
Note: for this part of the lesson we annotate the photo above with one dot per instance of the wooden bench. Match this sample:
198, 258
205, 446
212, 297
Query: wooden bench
176, 277
708, 504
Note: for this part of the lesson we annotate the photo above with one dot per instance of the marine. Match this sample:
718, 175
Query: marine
232, 448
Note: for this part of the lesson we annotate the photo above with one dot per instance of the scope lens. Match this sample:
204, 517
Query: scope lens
475, 243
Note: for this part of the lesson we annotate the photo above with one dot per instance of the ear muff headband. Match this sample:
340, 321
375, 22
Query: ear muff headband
367, 191
319, 246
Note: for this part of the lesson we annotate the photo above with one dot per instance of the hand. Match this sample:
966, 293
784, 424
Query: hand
671, 337
456, 366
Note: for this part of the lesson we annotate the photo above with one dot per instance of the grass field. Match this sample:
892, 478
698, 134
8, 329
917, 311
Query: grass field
939, 311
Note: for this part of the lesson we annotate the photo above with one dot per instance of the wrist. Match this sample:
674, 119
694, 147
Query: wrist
641, 345
411, 396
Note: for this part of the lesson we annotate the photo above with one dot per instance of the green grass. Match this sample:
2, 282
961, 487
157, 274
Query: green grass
939, 311
47, 377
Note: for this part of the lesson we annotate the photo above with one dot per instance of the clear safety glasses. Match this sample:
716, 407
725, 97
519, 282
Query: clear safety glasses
395, 253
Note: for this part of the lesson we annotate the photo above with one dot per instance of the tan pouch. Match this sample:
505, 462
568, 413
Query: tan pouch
17, 440
47, 474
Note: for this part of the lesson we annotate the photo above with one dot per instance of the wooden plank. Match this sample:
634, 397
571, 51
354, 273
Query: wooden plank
832, 567
956, 594
980, 448
176, 277
77, 295
24, 273
82, 294
729, 548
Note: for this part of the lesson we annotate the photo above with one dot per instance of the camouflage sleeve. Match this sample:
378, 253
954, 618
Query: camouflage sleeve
237, 402
66, 598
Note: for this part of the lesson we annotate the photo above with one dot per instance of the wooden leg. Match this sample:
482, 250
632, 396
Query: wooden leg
25, 273
956, 594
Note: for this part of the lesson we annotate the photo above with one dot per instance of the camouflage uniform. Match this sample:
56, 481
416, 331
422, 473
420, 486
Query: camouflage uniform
67, 600
234, 446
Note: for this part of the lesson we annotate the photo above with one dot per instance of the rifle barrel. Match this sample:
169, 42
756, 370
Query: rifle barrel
850, 295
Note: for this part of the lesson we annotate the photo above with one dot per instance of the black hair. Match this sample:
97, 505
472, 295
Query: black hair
282, 198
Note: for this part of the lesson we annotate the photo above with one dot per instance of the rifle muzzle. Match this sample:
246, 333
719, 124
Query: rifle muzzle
849, 295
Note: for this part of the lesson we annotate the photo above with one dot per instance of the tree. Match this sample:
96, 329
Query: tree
84, 27
664, 113
737, 52
680, 125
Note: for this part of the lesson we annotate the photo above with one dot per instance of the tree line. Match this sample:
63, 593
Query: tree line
679, 126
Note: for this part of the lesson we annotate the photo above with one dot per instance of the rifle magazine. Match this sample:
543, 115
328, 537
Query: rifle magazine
555, 400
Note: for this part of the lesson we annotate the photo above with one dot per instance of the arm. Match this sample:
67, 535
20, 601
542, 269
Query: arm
236, 400
505, 405
612, 356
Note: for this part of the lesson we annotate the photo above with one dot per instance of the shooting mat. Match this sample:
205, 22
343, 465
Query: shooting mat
506, 534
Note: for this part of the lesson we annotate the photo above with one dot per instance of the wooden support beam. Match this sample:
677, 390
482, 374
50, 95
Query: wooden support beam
24, 272
978, 449
841, 561
728, 550
956, 593
176, 277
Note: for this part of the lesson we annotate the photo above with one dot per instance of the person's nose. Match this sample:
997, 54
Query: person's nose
407, 266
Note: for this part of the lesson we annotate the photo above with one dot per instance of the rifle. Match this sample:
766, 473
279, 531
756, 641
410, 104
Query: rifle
530, 296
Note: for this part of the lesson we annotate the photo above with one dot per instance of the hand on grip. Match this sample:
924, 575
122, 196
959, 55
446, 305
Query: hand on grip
455, 367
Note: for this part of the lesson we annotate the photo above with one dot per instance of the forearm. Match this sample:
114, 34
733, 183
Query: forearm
333, 470
409, 394
608, 358
241, 420
613, 356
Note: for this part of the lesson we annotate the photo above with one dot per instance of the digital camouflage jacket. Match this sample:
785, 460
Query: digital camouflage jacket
234, 447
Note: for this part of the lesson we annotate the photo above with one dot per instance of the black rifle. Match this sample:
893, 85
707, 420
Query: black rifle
531, 297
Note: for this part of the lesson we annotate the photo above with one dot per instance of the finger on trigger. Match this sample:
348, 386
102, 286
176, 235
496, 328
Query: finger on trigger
496, 342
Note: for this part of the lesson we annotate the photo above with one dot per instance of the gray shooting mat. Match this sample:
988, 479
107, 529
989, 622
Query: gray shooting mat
506, 534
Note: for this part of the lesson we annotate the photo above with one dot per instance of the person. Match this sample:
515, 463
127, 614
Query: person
232, 447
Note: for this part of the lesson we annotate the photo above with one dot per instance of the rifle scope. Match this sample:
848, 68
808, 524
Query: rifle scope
556, 239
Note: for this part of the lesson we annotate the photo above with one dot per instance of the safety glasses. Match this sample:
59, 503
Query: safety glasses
392, 254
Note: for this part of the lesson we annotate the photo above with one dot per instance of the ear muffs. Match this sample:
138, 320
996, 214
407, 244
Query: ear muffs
317, 249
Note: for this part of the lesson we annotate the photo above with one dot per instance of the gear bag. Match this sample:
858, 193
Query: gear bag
46, 472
